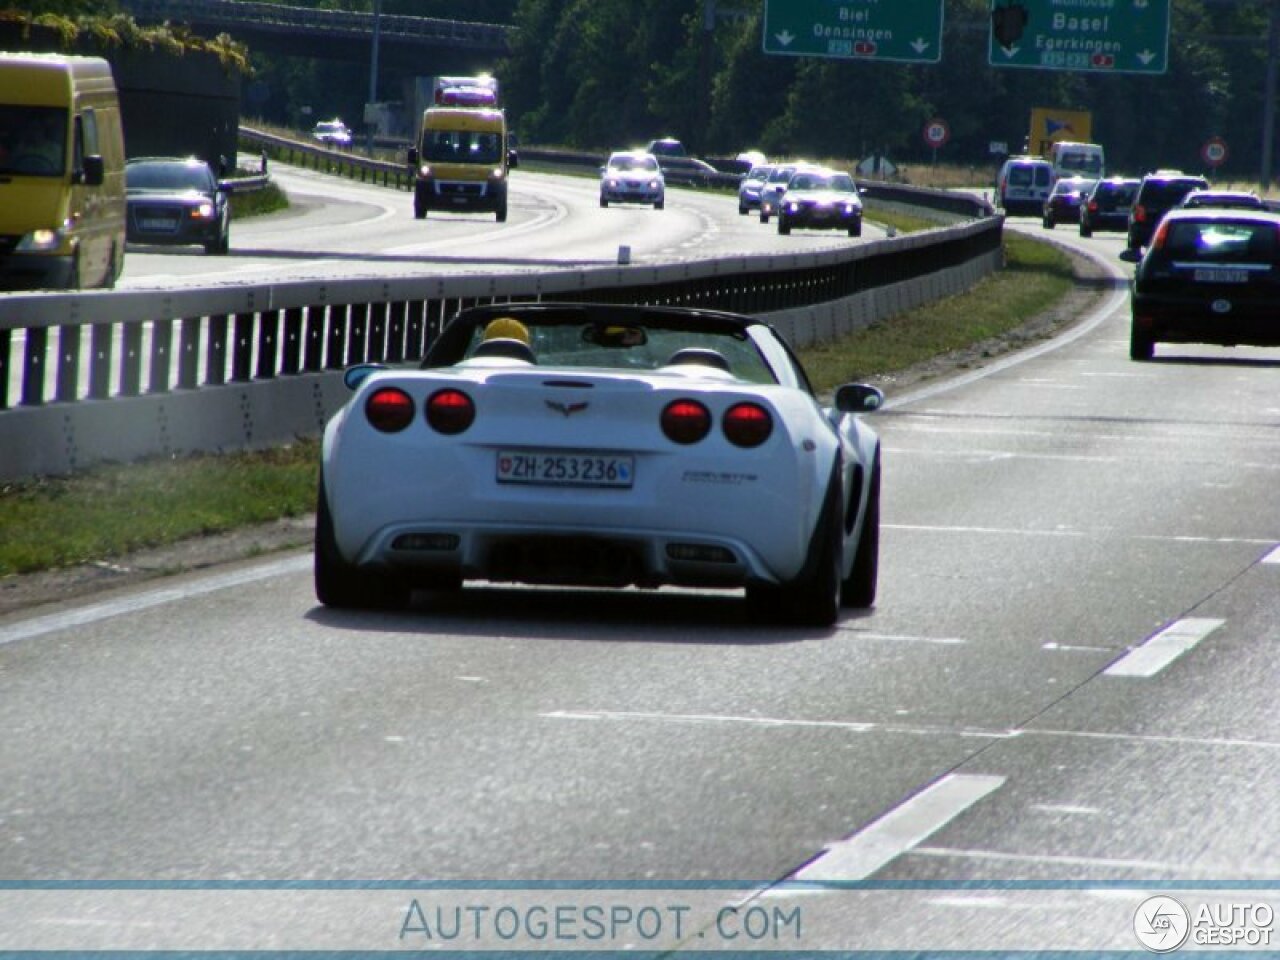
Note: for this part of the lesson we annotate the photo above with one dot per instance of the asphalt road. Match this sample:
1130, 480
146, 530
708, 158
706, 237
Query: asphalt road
1068, 677
340, 228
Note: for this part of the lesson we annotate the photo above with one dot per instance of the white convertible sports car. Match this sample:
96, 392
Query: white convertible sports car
603, 445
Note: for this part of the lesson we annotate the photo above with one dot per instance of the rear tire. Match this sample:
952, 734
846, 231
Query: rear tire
856, 229
859, 588
764, 216
604, 202
1141, 346
813, 598
1086, 231
343, 585
659, 204
784, 228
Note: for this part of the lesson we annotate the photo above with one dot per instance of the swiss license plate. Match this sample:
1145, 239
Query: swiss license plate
1203, 275
545, 468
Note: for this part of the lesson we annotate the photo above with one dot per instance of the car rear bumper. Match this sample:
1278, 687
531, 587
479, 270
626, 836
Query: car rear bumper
1252, 323
430, 552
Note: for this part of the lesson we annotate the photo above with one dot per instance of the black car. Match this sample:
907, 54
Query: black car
1106, 206
175, 201
1063, 203
1209, 276
1158, 192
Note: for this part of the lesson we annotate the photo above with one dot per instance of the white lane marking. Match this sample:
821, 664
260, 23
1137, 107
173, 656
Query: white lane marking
1181, 870
1158, 651
1208, 743
998, 531
53, 622
1070, 809
1273, 556
1062, 532
1073, 647
899, 637
901, 829
776, 722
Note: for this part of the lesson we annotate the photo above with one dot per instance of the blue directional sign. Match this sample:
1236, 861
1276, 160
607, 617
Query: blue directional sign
900, 30
1099, 36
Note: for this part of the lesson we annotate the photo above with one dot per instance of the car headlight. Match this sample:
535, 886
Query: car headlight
40, 241
202, 212
792, 207
653, 184
497, 174
424, 170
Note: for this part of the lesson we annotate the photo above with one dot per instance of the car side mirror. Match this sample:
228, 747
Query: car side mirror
1129, 255
859, 398
513, 159
93, 173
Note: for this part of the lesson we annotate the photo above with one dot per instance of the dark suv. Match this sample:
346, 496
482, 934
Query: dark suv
1159, 192
1106, 207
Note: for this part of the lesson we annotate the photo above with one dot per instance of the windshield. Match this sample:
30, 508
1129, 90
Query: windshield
1081, 162
33, 140
169, 177
461, 146
633, 163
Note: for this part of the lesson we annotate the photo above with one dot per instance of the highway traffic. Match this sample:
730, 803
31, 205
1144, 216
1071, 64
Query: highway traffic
1067, 675
339, 228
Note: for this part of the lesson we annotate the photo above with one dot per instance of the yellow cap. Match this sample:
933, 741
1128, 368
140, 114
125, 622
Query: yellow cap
507, 327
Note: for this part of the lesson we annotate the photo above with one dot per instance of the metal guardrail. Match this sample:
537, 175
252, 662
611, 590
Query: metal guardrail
115, 375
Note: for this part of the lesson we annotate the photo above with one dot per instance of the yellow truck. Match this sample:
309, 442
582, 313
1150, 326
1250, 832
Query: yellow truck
62, 202
461, 161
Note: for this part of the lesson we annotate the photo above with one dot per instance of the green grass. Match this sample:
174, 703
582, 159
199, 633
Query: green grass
1035, 275
109, 511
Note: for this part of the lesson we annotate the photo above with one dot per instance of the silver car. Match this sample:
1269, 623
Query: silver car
632, 177
750, 187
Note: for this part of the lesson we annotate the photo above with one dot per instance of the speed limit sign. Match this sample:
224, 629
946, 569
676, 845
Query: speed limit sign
1214, 152
936, 132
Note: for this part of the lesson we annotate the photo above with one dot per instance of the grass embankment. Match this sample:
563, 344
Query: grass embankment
109, 511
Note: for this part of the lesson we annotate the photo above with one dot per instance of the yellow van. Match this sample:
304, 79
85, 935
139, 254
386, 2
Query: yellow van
62, 206
461, 161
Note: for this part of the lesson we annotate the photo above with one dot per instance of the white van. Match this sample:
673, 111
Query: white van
1023, 185
1071, 159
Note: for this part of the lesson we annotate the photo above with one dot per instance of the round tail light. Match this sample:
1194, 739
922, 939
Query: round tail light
450, 411
685, 421
747, 424
389, 409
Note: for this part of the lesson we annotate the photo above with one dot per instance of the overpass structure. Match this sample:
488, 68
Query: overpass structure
405, 42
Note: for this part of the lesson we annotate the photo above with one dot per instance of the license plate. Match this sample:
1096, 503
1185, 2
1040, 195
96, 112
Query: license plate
565, 469
162, 225
1221, 276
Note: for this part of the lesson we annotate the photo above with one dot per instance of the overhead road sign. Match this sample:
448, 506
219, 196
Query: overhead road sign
1095, 36
891, 30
